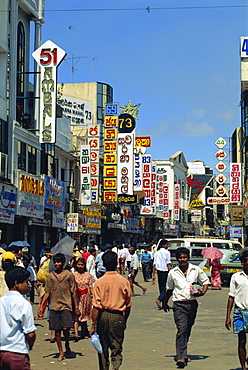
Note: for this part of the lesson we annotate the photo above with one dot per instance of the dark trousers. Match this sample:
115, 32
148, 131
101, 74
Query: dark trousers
110, 327
162, 278
184, 317
145, 270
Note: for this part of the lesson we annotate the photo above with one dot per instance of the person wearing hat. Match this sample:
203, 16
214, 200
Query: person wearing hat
8, 260
238, 297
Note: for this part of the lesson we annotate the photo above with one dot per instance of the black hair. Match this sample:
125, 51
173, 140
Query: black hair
92, 250
14, 248
16, 273
162, 242
7, 264
27, 257
109, 260
243, 254
59, 257
47, 249
82, 260
182, 250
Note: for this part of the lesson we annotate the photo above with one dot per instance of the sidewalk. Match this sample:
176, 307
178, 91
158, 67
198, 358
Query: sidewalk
150, 338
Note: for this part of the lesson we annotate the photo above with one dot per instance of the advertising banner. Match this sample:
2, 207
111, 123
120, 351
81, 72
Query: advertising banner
54, 195
30, 195
94, 143
138, 175
125, 168
85, 166
7, 203
58, 219
78, 111
144, 141
235, 183
72, 222
48, 56
177, 202
110, 158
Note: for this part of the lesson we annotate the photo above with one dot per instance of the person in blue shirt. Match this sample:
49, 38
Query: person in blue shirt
145, 263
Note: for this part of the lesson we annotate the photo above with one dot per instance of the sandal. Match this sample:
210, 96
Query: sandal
52, 340
181, 364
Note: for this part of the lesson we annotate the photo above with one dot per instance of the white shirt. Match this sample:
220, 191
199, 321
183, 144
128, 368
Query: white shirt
16, 320
134, 261
180, 284
239, 289
90, 267
162, 259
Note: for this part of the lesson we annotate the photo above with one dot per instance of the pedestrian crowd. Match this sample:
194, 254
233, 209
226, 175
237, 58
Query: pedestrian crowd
91, 286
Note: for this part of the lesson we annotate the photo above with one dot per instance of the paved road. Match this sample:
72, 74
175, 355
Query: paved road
150, 339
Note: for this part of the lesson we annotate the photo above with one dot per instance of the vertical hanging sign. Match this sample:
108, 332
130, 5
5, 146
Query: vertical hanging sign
93, 141
85, 175
48, 56
235, 183
177, 202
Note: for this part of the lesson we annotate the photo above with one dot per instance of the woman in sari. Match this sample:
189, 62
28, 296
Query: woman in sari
84, 283
215, 273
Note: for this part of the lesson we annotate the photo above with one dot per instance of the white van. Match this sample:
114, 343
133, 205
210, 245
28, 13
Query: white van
195, 244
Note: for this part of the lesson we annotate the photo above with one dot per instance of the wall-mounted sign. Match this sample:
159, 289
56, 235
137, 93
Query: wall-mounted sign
30, 195
125, 168
78, 111
48, 56
235, 183
177, 202
54, 196
143, 141
221, 190
237, 215
220, 143
111, 109
127, 199
218, 200
85, 166
221, 154
220, 178
126, 123
138, 175
235, 232
244, 47
220, 166
7, 203
72, 222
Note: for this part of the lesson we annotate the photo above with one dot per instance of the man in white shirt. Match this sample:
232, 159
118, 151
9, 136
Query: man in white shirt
238, 295
180, 286
90, 264
134, 271
17, 334
161, 264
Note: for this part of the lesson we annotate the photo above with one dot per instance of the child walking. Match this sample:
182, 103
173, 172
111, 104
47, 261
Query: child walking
17, 334
61, 289
238, 296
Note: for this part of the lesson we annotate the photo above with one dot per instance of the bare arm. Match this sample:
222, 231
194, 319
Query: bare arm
166, 299
31, 339
95, 314
75, 301
45, 298
228, 312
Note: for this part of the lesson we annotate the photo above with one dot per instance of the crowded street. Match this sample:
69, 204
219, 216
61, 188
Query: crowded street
150, 338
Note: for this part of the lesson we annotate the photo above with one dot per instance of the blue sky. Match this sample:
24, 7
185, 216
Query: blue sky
181, 65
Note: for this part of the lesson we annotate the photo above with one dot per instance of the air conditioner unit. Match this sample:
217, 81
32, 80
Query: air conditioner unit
4, 165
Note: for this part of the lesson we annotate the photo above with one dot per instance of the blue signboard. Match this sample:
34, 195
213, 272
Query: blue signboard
54, 194
235, 232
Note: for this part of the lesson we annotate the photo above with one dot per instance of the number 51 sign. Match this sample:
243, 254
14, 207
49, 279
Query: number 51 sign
48, 56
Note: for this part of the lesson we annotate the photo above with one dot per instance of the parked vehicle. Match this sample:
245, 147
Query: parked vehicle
196, 244
229, 264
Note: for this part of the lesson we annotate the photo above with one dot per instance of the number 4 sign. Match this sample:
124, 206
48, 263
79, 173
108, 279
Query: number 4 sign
244, 47
48, 56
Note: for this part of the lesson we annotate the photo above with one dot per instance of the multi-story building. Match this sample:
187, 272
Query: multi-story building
33, 176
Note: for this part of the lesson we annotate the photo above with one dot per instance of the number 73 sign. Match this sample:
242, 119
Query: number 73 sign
48, 56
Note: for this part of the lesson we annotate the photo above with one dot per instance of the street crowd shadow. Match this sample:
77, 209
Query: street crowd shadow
194, 358
73, 355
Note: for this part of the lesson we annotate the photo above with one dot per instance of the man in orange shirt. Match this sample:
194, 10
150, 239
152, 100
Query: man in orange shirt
111, 308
